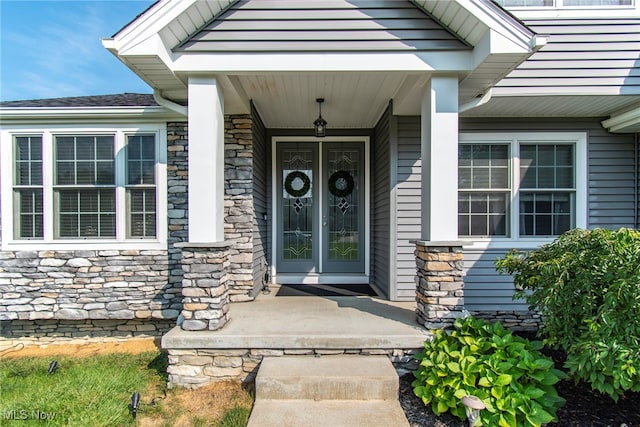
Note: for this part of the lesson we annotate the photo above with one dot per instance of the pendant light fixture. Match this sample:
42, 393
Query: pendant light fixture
320, 125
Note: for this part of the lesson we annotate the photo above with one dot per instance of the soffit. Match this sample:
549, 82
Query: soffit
554, 106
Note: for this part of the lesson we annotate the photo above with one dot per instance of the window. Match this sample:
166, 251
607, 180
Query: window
547, 189
90, 186
28, 187
483, 178
520, 185
85, 186
141, 190
563, 3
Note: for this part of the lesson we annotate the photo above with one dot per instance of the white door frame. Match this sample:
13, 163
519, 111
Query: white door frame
319, 278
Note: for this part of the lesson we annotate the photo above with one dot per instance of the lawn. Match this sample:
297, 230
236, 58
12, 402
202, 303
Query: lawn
96, 391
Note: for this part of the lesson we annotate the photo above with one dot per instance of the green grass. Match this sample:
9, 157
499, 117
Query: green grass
235, 417
96, 391
90, 391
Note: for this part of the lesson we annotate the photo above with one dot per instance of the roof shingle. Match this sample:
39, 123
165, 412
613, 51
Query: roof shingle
117, 100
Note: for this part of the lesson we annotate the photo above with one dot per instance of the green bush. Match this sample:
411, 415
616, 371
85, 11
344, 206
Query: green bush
586, 286
513, 379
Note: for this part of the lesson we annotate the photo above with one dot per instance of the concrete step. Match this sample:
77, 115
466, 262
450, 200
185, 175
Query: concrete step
327, 413
335, 391
327, 378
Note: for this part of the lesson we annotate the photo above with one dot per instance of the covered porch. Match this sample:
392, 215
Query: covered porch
246, 74
294, 325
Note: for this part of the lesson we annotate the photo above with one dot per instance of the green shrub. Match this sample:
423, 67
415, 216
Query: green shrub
586, 285
513, 379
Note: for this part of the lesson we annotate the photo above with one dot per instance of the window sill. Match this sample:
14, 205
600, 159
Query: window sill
482, 243
79, 245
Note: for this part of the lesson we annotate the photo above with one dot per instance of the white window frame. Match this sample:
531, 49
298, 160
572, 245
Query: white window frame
49, 242
559, 10
514, 139
560, 4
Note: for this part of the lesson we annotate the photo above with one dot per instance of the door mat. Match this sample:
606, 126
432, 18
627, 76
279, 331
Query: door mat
326, 290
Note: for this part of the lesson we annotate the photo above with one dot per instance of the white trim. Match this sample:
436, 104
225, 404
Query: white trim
576, 12
320, 278
629, 121
580, 139
206, 160
251, 63
34, 115
9, 243
320, 218
439, 152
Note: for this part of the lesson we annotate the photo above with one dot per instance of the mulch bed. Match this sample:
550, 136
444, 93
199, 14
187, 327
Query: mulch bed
584, 407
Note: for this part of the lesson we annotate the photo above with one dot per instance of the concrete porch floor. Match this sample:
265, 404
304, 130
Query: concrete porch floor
309, 322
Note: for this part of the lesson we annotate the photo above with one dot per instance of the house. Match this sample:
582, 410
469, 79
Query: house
455, 131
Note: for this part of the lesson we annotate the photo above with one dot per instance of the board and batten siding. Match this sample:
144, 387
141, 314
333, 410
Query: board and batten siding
260, 223
588, 56
611, 181
382, 255
323, 26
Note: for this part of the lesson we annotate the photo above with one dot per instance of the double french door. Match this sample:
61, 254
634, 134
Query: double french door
320, 207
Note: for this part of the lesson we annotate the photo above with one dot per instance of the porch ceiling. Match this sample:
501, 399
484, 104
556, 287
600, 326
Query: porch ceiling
351, 100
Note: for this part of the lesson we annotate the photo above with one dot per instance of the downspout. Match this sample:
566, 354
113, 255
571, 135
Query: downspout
170, 105
476, 102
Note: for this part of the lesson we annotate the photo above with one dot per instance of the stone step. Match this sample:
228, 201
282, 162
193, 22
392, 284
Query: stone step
327, 413
327, 378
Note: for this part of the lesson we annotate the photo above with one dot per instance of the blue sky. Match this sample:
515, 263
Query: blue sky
52, 49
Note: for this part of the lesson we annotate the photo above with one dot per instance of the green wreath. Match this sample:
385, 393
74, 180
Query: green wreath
341, 183
306, 184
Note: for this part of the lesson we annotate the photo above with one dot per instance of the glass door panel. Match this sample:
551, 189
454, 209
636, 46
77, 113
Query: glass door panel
343, 200
297, 212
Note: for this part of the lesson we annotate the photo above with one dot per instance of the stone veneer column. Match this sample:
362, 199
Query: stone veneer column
439, 283
239, 204
204, 287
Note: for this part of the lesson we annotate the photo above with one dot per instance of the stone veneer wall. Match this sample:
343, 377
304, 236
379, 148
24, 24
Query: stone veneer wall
440, 291
127, 289
196, 367
98, 293
238, 205
513, 320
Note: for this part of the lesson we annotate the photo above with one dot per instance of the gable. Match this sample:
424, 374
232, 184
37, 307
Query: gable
327, 26
393, 46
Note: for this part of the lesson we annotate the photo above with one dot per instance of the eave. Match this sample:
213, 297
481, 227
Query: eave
34, 115
626, 122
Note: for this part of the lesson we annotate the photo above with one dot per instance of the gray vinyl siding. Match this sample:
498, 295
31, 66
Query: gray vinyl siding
260, 226
585, 55
408, 204
484, 288
323, 26
611, 182
382, 255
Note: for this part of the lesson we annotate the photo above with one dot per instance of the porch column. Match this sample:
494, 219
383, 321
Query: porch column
439, 256
439, 141
206, 161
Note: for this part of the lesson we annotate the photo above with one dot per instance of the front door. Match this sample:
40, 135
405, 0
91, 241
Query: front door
320, 208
